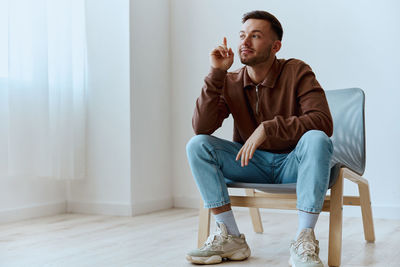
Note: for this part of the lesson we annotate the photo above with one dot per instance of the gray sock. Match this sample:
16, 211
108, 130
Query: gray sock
306, 220
229, 221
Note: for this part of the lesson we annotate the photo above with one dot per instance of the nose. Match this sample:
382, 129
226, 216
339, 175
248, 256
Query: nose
246, 41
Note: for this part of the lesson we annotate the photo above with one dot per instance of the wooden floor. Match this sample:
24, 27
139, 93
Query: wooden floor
162, 238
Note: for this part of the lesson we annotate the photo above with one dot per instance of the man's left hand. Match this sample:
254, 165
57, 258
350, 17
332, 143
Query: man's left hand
252, 143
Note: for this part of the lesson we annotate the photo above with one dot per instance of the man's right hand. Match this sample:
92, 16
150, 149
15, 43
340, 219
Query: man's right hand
222, 57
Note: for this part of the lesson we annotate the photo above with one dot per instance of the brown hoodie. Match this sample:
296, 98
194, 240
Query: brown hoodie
289, 102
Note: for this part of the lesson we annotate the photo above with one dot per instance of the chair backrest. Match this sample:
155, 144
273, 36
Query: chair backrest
347, 109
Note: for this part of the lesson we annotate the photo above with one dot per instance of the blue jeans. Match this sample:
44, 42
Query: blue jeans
212, 161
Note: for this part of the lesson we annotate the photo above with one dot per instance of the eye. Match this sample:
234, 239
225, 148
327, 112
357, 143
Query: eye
241, 36
256, 36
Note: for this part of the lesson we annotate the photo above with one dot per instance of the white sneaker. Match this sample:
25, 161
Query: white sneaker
218, 246
304, 252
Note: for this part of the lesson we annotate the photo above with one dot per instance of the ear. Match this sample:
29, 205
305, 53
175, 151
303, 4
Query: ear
276, 46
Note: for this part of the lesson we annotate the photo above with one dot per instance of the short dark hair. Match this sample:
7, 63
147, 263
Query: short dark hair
260, 14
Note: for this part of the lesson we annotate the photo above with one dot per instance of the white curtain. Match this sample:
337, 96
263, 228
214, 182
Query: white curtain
43, 97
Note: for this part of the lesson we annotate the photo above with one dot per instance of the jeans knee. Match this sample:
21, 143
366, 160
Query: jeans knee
316, 139
196, 143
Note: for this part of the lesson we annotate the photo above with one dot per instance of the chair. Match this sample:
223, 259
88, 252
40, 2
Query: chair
348, 161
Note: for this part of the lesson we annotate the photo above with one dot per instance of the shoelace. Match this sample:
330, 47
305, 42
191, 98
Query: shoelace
307, 250
212, 238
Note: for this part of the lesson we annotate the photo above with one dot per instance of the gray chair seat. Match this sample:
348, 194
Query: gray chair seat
281, 188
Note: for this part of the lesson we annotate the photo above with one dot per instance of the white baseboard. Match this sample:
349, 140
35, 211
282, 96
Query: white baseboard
33, 211
99, 208
116, 209
119, 209
378, 212
187, 202
150, 206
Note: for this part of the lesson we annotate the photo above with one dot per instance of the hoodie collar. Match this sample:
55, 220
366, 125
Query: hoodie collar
269, 80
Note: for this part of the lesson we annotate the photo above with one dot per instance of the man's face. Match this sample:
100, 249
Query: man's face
256, 41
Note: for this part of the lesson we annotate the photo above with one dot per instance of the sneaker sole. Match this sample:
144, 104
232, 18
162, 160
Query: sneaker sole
237, 255
291, 263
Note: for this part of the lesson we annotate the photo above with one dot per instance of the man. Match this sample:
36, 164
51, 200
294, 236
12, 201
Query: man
282, 125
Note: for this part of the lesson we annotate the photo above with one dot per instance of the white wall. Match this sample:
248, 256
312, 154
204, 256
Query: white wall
151, 106
129, 128
347, 43
107, 189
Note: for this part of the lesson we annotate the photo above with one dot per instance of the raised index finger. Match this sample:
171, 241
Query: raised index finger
225, 42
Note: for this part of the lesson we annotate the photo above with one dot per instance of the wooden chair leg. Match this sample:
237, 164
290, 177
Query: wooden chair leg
366, 211
255, 214
204, 225
335, 222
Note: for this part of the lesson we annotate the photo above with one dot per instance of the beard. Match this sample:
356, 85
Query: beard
257, 59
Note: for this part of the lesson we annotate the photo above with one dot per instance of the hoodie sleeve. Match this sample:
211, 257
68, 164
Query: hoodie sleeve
211, 108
